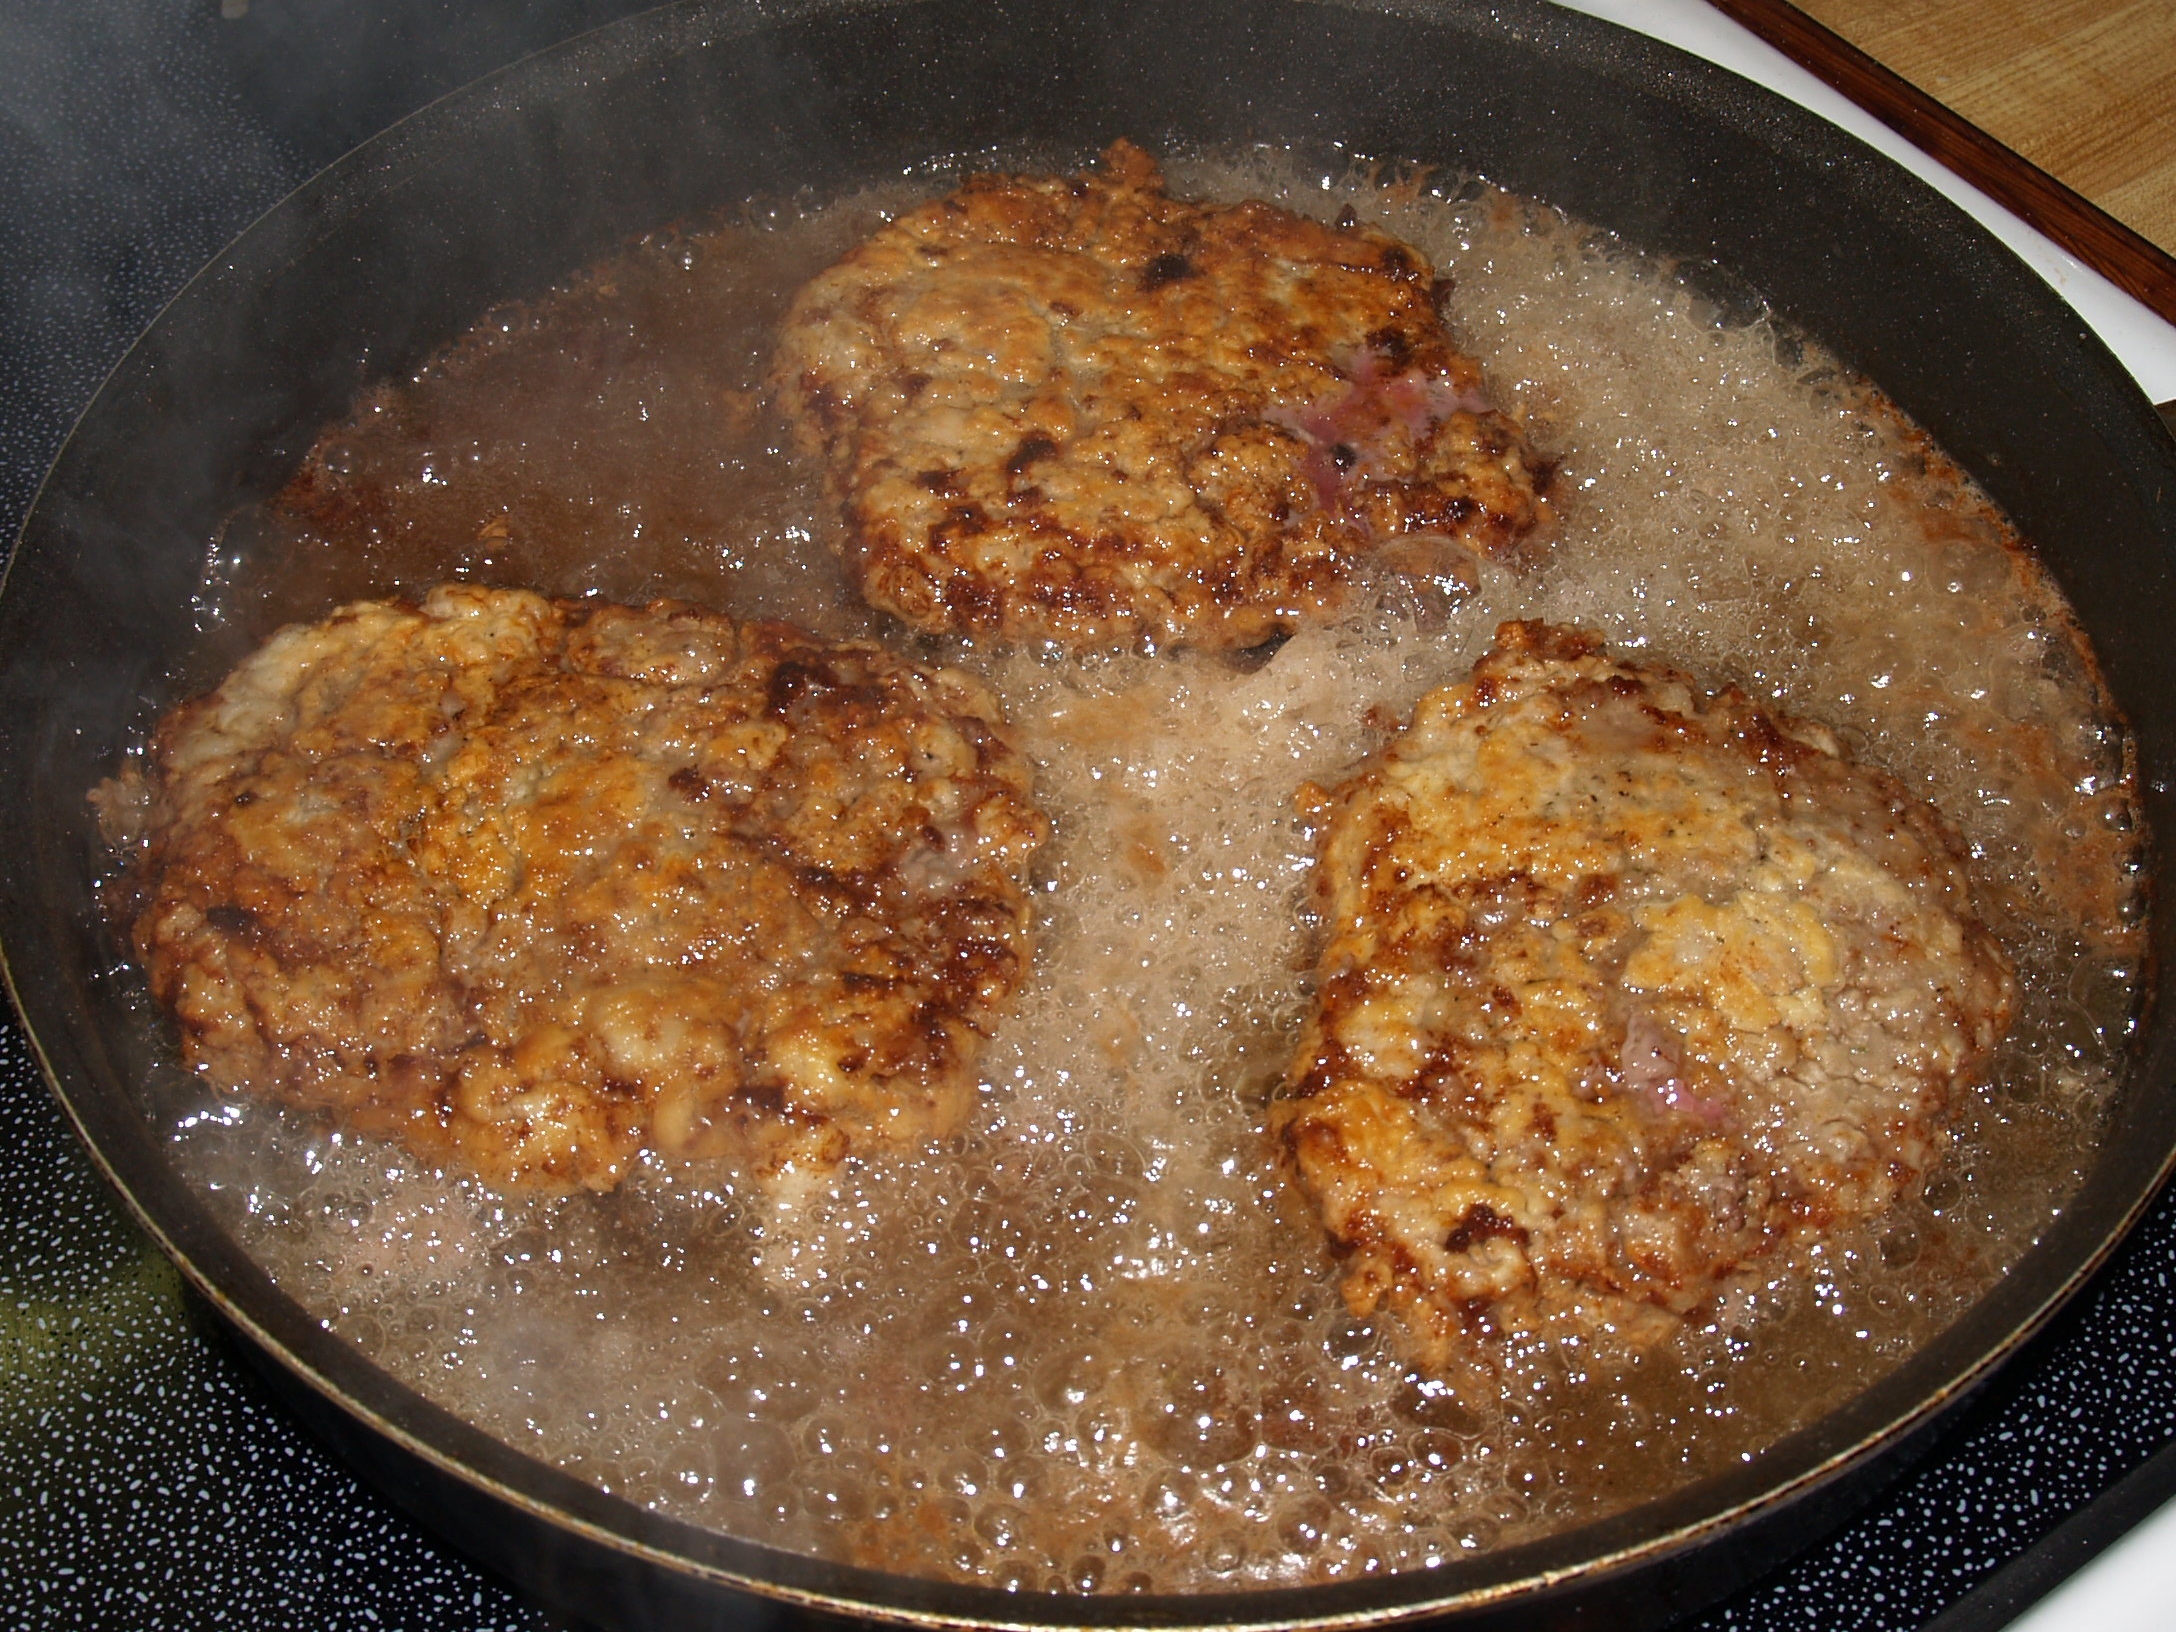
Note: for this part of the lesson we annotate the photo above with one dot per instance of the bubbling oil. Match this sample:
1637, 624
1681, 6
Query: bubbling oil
1093, 1343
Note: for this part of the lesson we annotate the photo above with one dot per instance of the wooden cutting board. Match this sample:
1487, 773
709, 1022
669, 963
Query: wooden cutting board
2085, 89
2064, 110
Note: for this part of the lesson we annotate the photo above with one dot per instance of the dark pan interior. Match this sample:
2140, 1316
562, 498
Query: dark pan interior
503, 189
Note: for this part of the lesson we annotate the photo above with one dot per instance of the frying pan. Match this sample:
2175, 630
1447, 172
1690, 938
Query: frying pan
509, 186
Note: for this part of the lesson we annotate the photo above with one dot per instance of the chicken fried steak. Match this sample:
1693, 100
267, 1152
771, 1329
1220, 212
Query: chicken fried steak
534, 885
1626, 985
1081, 410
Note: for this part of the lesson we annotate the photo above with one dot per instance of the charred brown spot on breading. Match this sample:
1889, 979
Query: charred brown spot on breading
1166, 268
1079, 409
1031, 449
534, 885
1627, 985
1481, 1223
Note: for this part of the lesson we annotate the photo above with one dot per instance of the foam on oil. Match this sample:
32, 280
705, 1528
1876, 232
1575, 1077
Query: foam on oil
1093, 1343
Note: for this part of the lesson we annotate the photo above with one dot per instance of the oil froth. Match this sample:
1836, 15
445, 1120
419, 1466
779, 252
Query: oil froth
1093, 1344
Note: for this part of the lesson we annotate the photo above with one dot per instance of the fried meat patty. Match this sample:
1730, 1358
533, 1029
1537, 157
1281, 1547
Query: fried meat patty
1081, 410
534, 885
1626, 984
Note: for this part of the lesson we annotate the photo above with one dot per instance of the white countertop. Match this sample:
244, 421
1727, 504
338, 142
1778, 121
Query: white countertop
2129, 1588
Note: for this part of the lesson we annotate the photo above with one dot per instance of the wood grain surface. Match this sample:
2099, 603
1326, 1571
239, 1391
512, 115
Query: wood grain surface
2130, 260
2085, 89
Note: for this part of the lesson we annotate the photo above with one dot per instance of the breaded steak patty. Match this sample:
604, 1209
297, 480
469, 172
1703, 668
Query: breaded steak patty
1081, 410
1626, 984
534, 885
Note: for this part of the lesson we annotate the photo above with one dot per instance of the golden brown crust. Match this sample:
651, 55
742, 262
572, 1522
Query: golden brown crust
1081, 410
535, 885
1626, 985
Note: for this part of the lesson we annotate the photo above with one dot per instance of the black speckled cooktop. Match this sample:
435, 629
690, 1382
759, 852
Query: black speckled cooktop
147, 1479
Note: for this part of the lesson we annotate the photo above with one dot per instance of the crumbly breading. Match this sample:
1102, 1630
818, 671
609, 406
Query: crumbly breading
1626, 985
534, 885
1081, 410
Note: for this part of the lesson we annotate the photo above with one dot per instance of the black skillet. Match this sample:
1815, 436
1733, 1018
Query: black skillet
505, 188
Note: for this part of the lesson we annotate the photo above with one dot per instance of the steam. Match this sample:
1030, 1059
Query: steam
139, 136
1089, 1346
126, 160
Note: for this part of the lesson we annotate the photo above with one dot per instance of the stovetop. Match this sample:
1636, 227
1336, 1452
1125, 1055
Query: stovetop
147, 1478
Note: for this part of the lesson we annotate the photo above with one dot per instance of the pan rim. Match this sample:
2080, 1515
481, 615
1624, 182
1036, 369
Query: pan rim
1370, 1603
